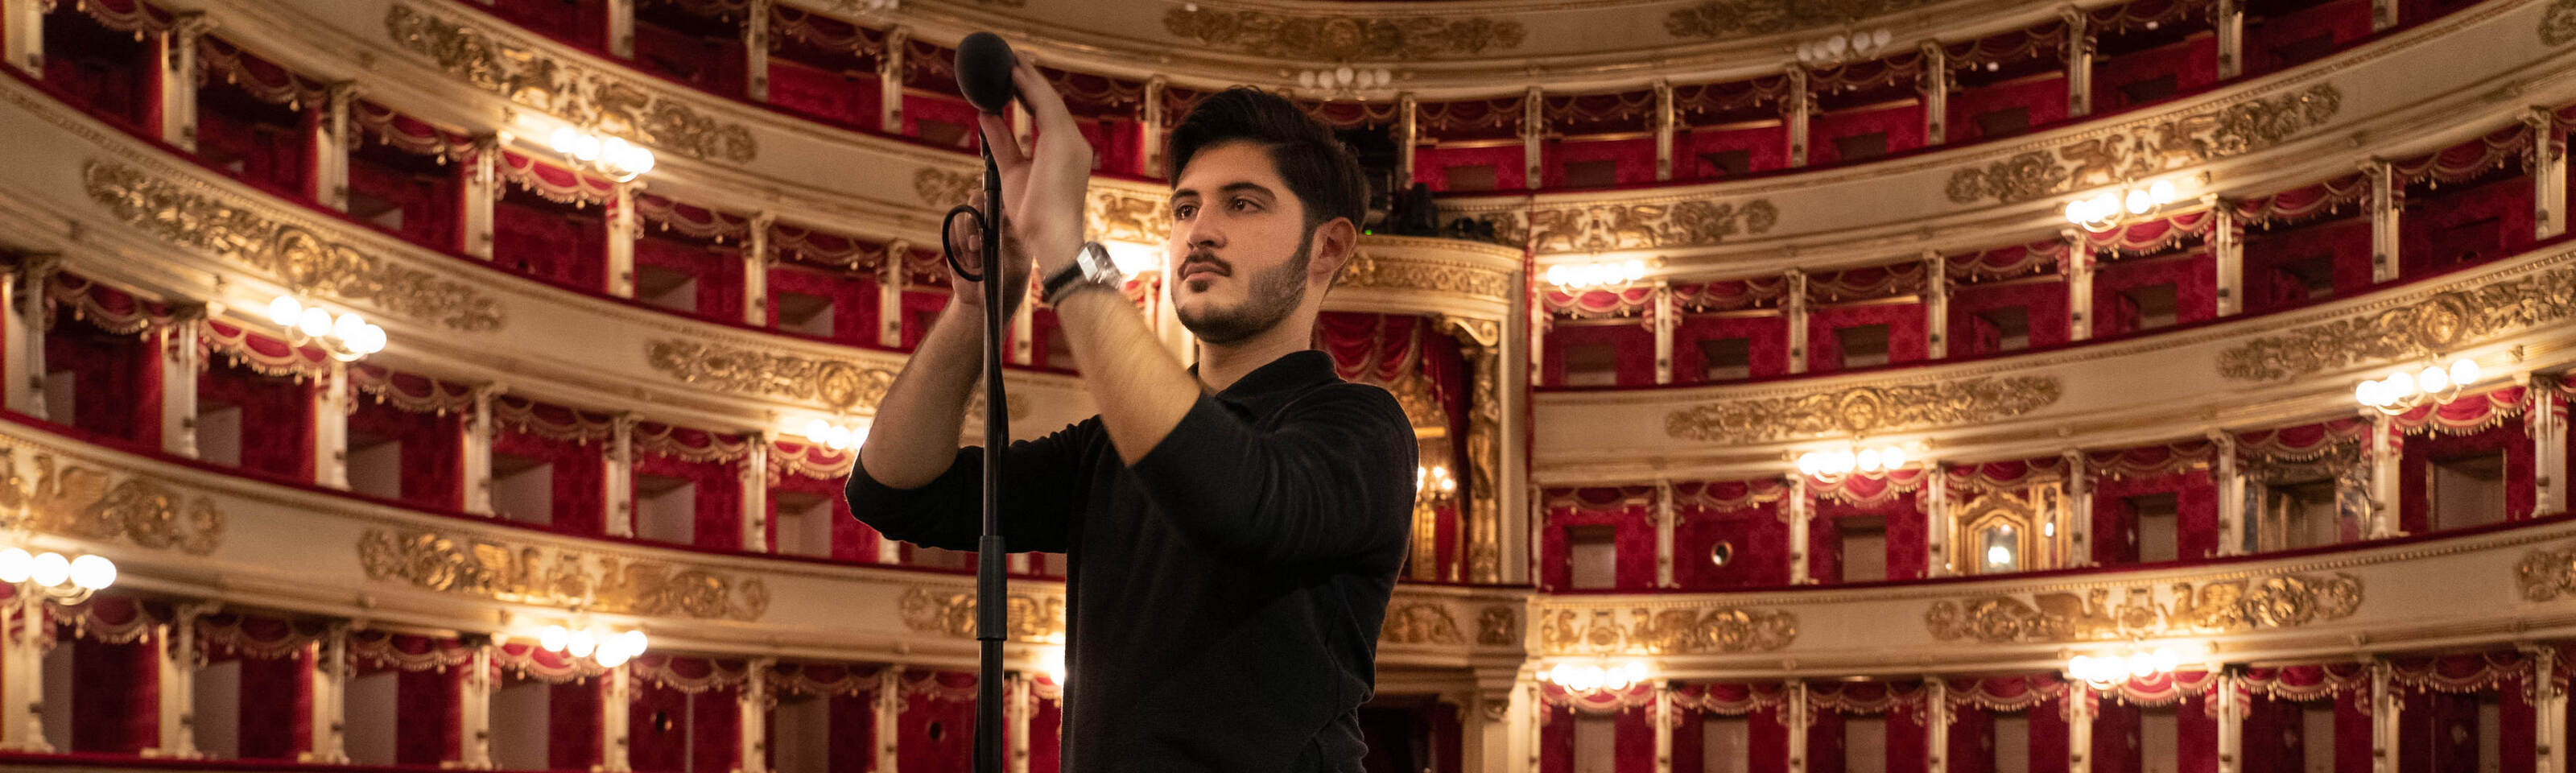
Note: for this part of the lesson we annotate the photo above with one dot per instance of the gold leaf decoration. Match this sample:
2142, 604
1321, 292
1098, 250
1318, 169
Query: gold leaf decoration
2444, 322
1121, 216
1420, 622
1031, 619
1725, 19
489, 60
557, 577
2558, 23
943, 188
1614, 226
300, 257
1386, 272
1863, 409
2185, 608
2544, 574
1714, 630
86, 503
837, 383
1342, 38
2148, 148
1496, 626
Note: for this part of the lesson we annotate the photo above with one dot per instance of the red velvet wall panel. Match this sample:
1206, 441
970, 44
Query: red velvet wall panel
831, 97
1764, 148
2304, 35
717, 269
276, 707
1766, 343
116, 381
2421, 452
551, 242
2194, 279
580, 474
2043, 306
1631, 343
2115, 524
2273, 256
2043, 100
433, 450
1632, 160
1756, 536
2192, 63
717, 497
1902, 127
1907, 338
2464, 225
115, 694
1510, 172
276, 418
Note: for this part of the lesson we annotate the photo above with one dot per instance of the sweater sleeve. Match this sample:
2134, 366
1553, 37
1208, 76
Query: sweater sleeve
1043, 483
1327, 483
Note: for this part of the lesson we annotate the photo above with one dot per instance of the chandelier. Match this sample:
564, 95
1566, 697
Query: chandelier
1433, 483
1597, 675
834, 435
2405, 389
345, 336
1832, 465
64, 580
609, 650
2111, 209
617, 158
2104, 672
1585, 275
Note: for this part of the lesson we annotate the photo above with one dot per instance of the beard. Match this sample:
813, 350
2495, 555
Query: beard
1269, 297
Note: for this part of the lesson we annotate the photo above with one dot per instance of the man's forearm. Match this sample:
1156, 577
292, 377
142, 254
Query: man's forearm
1141, 390
914, 436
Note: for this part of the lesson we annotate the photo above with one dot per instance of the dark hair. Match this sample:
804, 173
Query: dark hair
1319, 170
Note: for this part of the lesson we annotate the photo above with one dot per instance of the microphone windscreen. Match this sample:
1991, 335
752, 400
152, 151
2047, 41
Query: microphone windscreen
984, 65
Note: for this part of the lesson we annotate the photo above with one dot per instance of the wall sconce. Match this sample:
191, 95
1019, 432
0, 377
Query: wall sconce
1345, 79
66, 581
346, 336
1601, 675
617, 158
2404, 390
609, 650
2105, 672
1583, 275
2129, 203
1832, 465
836, 436
1858, 44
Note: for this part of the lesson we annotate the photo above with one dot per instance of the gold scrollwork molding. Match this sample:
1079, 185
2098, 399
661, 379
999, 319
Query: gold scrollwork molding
837, 383
557, 577
300, 257
1376, 270
942, 188
1497, 626
2441, 323
2545, 574
2183, 608
2148, 148
1724, 19
1343, 38
530, 77
1122, 216
1864, 409
1030, 619
1716, 630
85, 503
1615, 226
1420, 622
2558, 23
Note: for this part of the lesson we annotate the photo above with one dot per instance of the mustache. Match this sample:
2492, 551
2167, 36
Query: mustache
1208, 259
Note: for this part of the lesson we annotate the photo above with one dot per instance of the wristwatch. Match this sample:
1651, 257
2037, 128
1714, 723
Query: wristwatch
1091, 265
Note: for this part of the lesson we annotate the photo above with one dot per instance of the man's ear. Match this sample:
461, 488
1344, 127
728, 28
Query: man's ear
1337, 243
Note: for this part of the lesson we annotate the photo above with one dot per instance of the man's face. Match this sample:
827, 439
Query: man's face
1239, 249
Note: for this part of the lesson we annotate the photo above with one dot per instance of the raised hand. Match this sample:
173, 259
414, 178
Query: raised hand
1042, 187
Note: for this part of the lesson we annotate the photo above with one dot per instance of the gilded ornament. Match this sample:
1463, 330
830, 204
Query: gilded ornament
1342, 38
1373, 270
1496, 626
2545, 574
2185, 608
1120, 216
1031, 619
1864, 409
837, 383
1702, 631
596, 97
557, 577
2444, 322
1420, 623
2558, 23
942, 188
2148, 148
1614, 226
1726, 19
300, 257
85, 503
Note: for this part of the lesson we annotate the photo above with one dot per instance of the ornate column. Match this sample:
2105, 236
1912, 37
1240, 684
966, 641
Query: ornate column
620, 499
1797, 107
331, 152
23, 22
755, 270
1530, 724
1664, 534
755, 50
1936, 302
2229, 17
2386, 469
22, 695
1797, 321
1533, 137
2549, 708
2080, 708
481, 190
2079, 511
474, 713
1936, 723
890, 277
616, 731
2079, 287
1795, 712
2079, 63
1494, 731
2548, 173
326, 724
25, 332
2386, 202
176, 644
1936, 510
751, 706
2549, 444
890, 81
179, 78
1494, 453
1016, 705
623, 229
1663, 726
1664, 124
889, 706
2227, 247
754, 476
1935, 87
1663, 320
2383, 15
2231, 493
621, 28
2384, 707
180, 361
1150, 161
331, 428
478, 451
1801, 508
2231, 722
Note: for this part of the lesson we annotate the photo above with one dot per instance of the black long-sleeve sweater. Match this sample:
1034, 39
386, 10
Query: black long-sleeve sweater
1225, 592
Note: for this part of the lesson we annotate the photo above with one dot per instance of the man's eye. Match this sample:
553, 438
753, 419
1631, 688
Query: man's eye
1243, 204
1183, 210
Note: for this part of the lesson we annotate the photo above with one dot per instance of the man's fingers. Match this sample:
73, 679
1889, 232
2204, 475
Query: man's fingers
1005, 145
1045, 105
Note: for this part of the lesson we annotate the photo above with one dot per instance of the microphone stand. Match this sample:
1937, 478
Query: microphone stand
991, 602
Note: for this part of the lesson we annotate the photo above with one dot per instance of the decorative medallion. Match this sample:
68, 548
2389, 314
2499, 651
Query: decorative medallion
2149, 148
1372, 269
1420, 622
2545, 574
1614, 226
1031, 619
557, 577
1715, 630
2183, 609
1725, 19
300, 257
88, 504
942, 188
1342, 38
1865, 409
2442, 323
838, 383
2558, 23
1497, 626
601, 98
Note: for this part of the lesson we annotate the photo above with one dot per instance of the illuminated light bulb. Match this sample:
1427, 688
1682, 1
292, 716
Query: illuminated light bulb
2162, 191
1993, 66
2151, 25
1881, 37
565, 140
1845, 461
2166, 660
2081, 667
815, 428
2401, 385
1806, 52
552, 638
285, 310
93, 572
2142, 664
2048, 529
1306, 78
348, 327
586, 147
314, 322
641, 161
1834, 46
580, 644
2464, 372
49, 568
612, 657
1891, 458
2433, 379
1051, 662
372, 340
1807, 464
1556, 275
1999, 555
2075, 212
15, 564
1868, 460
2367, 393
2139, 202
632, 641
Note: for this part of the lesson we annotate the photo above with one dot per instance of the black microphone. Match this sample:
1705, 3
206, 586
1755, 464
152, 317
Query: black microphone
984, 64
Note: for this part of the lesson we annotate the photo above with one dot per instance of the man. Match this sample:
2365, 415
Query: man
1234, 530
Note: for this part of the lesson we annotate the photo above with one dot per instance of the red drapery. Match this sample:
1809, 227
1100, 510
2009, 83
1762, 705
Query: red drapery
108, 69
1627, 510
116, 683
276, 688
432, 450
1599, 303
849, 695
557, 243
684, 713
276, 428
116, 378
2489, 425
428, 691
